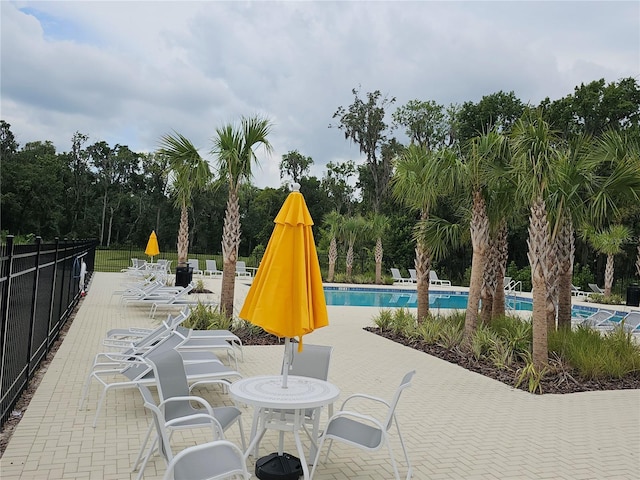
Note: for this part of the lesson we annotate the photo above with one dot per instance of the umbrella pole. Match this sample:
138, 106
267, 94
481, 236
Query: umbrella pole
287, 361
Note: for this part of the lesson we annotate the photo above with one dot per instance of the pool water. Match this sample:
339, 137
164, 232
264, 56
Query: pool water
388, 298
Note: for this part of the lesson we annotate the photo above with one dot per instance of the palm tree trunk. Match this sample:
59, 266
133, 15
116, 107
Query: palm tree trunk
378, 256
230, 244
479, 227
551, 273
333, 256
183, 235
349, 261
566, 254
638, 262
538, 245
502, 253
608, 276
423, 265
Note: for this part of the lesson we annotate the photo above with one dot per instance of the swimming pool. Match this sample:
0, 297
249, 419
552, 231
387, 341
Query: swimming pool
389, 298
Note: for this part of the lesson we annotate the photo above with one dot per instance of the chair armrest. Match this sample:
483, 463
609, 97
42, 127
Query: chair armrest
365, 397
221, 381
188, 398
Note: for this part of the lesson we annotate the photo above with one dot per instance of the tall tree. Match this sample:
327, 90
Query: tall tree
336, 182
234, 148
378, 225
294, 165
425, 123
363, 123
188, 172
534, 156
420, 178
609, 242
333, 223
498, 111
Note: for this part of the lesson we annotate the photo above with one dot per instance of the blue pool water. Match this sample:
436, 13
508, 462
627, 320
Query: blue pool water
388, 298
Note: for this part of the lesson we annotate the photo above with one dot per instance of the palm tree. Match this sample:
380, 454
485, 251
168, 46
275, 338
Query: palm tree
233, 147
189, 173
333, 221
609, 242
352, 227
534, 157
378, 225
420, 179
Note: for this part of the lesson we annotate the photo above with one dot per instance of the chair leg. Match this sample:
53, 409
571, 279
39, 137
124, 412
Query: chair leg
393, 460
406, 454
144, 444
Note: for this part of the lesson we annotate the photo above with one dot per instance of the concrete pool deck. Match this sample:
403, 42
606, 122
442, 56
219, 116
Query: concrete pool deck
457, 424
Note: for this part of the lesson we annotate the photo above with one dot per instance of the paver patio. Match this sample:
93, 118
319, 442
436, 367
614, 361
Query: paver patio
457, 424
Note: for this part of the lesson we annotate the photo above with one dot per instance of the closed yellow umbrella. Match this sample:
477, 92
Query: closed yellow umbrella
152, 245
286, 297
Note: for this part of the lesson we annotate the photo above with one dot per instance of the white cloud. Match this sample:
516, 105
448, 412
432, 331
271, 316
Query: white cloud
129, 72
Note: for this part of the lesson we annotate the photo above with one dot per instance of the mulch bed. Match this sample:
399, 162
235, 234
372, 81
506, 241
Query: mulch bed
558, 381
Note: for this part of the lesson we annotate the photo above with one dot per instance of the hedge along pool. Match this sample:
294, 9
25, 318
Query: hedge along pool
457, 300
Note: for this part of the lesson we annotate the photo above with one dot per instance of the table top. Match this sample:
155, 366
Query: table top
266, 391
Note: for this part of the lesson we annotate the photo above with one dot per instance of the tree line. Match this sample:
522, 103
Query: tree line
419, 203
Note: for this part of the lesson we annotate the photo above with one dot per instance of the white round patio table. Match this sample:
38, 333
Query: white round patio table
265, 392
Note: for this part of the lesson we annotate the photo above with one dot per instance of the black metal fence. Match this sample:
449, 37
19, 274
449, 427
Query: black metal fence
40, 285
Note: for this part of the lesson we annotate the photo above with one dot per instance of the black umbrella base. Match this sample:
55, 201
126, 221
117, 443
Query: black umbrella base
278, 467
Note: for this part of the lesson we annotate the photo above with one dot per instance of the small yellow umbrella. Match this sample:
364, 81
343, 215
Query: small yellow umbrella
286, 297
152, 245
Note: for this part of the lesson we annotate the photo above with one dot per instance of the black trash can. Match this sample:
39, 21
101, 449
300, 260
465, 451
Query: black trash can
184, 275
633, 295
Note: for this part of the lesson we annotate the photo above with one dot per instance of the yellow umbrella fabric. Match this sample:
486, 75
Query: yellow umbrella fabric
152, 245
286, 297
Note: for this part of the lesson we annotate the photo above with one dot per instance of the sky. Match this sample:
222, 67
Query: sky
129, 72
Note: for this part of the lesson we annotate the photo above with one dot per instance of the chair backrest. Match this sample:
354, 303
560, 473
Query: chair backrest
597, 318
241, 266
631, 321
193, 262
413, 274
135, 371
405, 383
395, 273
217, 459
595, 288
433, 275
211, 265
313, 361
171, 380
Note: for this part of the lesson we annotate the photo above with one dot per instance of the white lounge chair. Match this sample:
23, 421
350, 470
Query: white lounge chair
241, 270
434, 280
193, 263
212, 269
414, 275
631, 322
397, 278
134, 370
595, 288
578, 292
365, 431
601, 318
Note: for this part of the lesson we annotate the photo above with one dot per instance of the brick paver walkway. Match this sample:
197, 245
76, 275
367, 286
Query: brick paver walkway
457, 424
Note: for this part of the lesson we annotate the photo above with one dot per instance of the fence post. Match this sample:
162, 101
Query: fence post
53, 292
5, 301
34, 298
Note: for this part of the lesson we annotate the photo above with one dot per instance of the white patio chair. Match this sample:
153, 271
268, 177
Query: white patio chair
434, 280
214, 460
631, 322
212, 269
175, 410
364, 431
193, 263
414, 275
397, 278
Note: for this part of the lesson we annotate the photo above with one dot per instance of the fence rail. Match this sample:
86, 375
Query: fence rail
40, 284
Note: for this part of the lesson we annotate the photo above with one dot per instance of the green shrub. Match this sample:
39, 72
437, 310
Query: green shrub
595, 356
207, 317
482, 342
384, 319
582, 277
610, 300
